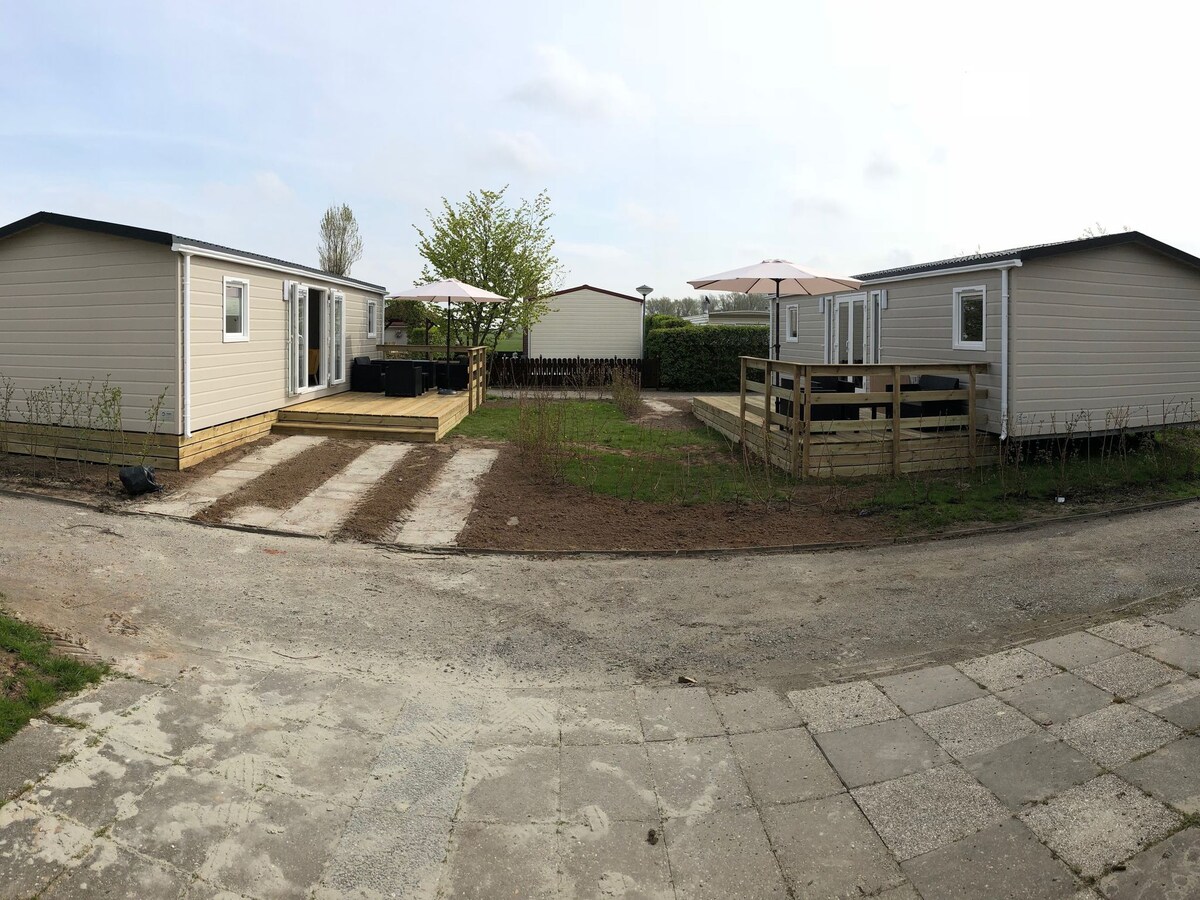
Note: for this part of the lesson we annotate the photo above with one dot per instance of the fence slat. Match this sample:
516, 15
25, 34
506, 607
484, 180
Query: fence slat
577, 372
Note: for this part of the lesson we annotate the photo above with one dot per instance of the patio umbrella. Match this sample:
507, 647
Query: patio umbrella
783, 276
450, 291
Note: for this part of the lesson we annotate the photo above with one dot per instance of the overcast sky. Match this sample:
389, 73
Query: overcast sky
675, 139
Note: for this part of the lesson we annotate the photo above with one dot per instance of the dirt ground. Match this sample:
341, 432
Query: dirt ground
394, 492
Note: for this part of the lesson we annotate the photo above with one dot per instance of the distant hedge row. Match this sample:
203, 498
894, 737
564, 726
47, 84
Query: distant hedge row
705, 358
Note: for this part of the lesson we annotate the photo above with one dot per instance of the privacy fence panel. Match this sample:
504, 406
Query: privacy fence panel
573, 372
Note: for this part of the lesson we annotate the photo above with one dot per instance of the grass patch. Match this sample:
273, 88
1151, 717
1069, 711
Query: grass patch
33, 676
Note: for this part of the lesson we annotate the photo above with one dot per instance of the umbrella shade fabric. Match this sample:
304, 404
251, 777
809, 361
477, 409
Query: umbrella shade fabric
449, 291
775, 276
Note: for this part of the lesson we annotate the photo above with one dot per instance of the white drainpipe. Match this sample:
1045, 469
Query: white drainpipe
1004, 351
186, 369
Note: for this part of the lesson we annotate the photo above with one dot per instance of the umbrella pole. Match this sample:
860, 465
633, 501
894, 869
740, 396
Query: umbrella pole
449, 318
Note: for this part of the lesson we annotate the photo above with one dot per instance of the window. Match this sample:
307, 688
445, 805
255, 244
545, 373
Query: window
339, 337
372, 318
793, 323
970, 312
237, 309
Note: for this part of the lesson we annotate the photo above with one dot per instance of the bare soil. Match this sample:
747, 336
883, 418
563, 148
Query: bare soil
395, 492
555, 516
680, 420
290, 482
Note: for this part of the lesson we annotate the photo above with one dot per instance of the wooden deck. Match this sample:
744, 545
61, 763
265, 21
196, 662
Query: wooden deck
428, 418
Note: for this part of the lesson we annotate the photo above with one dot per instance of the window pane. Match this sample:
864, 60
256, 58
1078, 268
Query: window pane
971, 317
233, 308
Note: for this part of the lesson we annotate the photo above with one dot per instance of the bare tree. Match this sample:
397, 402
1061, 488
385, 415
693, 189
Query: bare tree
341, 245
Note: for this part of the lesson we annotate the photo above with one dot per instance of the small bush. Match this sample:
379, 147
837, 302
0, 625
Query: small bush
666, 320
627, 392
705, 358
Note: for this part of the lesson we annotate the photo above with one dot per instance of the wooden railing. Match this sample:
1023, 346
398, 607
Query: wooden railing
476, 358
798, 424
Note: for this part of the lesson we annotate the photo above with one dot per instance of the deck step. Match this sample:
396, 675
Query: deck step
360, 432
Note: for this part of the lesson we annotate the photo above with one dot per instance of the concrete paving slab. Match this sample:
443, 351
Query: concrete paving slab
511, 785
1186, 618
677, 712
1031, 769
440, 513
417, 779
282, 852
324, 510
827, 848
1178, 703
721, 855
35, 848
922, 812
843, 706
599, 717
31, 754
1129, 674
1007, 669
294, 695
519, 719
183, 814
929, 688
101, 783
100, 706
1071, 651
1100, 823
784, 766
975, 726
1116, 734
1171, 773
613, 778
1003, 860
1182, 652
1169, 870
489, 861
613, 860
206, 491
696, 777
880, 752
326, 763
112, 871
761, 709
363, 706
1135, 632
1056, 699
387, 854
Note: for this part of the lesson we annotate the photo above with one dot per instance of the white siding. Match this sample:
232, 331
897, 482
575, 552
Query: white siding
233, 380
75, 305
1104, 335
589, 324
809, 346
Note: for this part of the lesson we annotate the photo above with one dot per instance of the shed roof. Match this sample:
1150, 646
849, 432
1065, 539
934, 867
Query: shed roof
588, 287
1037, 251
169, 240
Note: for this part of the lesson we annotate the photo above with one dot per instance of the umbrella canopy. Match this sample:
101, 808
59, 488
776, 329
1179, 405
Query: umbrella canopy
777, 276
449, 291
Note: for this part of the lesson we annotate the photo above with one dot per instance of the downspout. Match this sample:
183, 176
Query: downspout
1004, 346
186, 368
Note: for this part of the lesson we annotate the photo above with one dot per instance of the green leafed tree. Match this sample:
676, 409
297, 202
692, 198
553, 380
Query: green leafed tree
488, 243
341, 244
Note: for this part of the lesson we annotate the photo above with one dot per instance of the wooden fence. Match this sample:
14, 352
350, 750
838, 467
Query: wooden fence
475, 357
572, 372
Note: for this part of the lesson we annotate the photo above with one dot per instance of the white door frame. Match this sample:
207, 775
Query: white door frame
298, 325
862, 327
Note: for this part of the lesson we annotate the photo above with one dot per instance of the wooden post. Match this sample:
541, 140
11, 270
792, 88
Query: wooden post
795, 420
767, 400
807, 420
895, 420
742, 409
971, 415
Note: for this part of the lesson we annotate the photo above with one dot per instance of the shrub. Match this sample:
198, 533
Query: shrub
705, 358
666, 320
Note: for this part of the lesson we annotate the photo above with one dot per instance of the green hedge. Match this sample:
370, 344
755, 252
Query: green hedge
666, 320
705, 358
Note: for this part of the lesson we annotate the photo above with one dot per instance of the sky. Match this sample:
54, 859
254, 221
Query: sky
676, 139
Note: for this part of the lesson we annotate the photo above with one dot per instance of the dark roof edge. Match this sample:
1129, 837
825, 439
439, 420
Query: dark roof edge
166, 239
1039, 251
598, 290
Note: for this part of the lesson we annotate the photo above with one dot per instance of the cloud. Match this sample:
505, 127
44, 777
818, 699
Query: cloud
881, 168
522, 150
565, 85
644, 217
592, 251
816, 206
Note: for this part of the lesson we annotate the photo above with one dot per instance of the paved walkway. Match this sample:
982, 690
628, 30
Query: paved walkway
1068, 768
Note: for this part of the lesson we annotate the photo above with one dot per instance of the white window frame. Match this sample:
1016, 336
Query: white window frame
244, 334
373, 319
791, 319
337, 336
981, 344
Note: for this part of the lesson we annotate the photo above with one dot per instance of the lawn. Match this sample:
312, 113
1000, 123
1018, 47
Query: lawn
33, 676
591, 444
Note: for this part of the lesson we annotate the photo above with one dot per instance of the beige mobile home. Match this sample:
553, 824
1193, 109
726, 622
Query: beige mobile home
205, 343
1084, 336
588, 322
